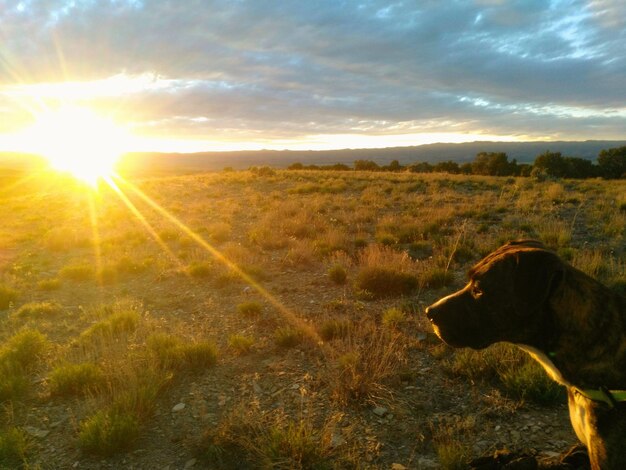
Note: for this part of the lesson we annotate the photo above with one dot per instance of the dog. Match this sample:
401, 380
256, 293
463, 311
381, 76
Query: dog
574, 326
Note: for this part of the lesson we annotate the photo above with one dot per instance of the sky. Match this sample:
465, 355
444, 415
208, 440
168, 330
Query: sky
194, 75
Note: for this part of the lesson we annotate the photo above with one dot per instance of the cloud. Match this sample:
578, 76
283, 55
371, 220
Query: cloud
290, 68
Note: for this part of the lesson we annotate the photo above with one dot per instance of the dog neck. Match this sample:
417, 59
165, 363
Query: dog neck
589, 350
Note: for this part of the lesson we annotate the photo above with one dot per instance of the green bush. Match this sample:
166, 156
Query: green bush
24, 349
38, 310
250, 309
240, 344
78, 273
18, 357
332, 329
108, 432
200, 355
393, 317
13, 447
385, 282
74, 379
287, 337
8, 296
337, 274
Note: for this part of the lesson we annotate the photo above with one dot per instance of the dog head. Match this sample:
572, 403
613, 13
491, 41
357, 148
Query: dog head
506, 298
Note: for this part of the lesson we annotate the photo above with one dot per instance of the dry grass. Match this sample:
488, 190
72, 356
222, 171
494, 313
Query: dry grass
330, 261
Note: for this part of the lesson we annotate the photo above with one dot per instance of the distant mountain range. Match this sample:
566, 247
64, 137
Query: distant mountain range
152, 162
524, 152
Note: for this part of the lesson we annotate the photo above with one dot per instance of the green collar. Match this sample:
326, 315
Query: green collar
610, 397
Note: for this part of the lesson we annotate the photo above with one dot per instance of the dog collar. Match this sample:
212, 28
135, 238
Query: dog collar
610, 397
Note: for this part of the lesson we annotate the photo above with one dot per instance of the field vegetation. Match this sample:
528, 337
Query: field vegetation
274, 318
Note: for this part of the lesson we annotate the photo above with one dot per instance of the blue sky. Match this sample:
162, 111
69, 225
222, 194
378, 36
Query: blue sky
200, 74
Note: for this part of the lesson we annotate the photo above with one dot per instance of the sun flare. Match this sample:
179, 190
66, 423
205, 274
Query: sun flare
78, 141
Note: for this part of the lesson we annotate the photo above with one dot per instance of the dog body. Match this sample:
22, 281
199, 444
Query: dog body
571, 324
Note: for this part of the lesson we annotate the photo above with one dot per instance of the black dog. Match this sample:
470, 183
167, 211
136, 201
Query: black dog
574, 326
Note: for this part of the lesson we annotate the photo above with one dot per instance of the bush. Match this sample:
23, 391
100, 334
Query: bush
393, 317
18, 357
24, 349
241, 344
200, 355
108, 432
332, 329
287, 337
78, 273
13, 447
49, 284
337, 274
74, 379
38, 310
250, 309
200, 270
438, 277
385, 282
7, 297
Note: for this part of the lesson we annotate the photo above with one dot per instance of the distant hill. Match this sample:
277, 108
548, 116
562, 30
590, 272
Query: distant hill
167, 163
524, 152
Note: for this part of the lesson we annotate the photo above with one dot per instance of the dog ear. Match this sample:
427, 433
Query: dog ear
538, 274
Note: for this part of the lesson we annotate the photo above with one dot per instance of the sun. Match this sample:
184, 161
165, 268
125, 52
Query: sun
78, 141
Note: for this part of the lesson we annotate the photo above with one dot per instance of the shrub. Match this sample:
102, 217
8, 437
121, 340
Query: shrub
363, 361
38, 310
332, 329
166, 349
13, 447
248, 438
18, 357
385, 282
287, 337
74, 379
13, 383
24, 349
516, 372
200, 355
108, 432
393, 317
124, 321
8, 295
250, 309
337, 274
200, 269
436, 278
530, 381
49, 284
241, 344
78, 273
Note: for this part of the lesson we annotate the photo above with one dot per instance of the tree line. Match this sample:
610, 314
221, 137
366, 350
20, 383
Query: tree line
611, 164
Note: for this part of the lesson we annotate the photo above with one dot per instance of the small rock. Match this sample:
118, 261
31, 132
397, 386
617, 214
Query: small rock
336, 440
380, 411
427, 463
190, 463
41, 433
397, 466
178, 407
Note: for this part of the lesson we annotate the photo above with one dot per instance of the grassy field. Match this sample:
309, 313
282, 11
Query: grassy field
273, 319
